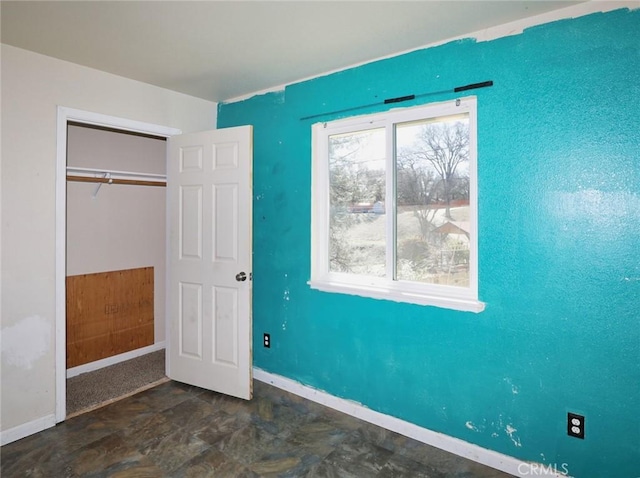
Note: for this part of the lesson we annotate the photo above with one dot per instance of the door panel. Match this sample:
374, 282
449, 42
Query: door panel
209, 300
226, 307
190, 320
190, 224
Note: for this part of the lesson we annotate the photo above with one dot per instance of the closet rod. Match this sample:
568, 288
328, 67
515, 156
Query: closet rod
112, 172
135, 182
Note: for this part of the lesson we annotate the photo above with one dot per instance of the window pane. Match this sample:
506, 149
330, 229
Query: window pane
432, 187
357, 232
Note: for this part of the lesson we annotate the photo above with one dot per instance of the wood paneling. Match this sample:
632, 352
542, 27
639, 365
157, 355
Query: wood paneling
108, 313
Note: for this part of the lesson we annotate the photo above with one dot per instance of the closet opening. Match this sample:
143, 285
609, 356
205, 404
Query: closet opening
115, 263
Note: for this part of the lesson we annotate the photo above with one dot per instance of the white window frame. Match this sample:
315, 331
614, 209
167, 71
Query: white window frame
450, 297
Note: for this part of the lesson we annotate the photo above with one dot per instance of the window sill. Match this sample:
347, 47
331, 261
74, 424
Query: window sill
465, 305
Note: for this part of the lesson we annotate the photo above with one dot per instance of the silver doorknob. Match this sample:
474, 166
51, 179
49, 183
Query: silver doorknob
241, 276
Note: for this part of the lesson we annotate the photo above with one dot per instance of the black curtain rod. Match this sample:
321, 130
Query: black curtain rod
401, 99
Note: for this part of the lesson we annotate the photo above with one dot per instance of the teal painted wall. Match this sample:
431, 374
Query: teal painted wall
559, 246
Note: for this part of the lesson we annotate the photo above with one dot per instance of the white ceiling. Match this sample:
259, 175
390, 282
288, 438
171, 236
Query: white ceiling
220, 50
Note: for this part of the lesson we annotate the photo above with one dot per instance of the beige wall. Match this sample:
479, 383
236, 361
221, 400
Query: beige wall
122, 226
32, 87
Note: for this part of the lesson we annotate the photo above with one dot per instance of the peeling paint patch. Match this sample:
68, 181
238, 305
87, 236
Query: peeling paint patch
471, 426
510, 431
514, 389
26, 341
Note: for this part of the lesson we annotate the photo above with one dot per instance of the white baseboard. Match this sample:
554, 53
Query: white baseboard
26, 429
456, 446
35, 426
98, 364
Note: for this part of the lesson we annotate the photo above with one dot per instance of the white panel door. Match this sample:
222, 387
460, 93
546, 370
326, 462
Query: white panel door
209, 197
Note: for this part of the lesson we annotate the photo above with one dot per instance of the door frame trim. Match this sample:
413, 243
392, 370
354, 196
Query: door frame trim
64, 115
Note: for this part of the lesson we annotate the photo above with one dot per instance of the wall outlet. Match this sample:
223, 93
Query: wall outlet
266, 340
575, 425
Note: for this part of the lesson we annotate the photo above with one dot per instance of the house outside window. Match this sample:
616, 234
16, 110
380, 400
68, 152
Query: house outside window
394, 206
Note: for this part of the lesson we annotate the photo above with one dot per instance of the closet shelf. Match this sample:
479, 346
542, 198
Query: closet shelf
109, 176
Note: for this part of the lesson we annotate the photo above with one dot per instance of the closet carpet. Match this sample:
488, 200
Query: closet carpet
92, 389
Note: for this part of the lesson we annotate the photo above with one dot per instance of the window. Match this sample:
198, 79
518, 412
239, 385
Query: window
394, 212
